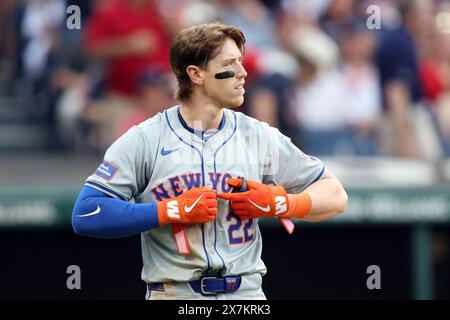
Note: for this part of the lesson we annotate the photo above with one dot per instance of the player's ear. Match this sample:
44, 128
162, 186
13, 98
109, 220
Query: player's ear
194, 74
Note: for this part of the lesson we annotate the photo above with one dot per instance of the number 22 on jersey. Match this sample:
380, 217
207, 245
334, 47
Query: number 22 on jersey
239, 230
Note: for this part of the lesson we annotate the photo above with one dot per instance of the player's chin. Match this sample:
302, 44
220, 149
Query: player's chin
235, 102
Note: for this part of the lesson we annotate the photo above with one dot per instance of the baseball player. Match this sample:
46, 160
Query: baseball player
195, 179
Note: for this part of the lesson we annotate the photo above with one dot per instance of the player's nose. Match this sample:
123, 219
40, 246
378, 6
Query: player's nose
241, 72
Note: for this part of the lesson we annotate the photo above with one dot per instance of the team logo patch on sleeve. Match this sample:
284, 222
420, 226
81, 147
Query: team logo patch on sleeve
106, 171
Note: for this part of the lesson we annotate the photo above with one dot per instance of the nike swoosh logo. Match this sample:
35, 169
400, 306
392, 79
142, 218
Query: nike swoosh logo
97, 211
166, 152
264, 209
189, 209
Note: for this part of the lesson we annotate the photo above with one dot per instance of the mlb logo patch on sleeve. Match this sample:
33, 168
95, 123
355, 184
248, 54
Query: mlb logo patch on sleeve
106, 171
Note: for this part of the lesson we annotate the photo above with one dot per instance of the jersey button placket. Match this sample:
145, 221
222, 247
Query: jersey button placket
209, 163
209, 157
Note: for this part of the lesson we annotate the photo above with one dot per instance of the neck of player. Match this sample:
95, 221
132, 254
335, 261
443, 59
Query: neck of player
201, 116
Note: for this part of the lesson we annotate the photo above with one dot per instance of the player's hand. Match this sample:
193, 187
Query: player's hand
197, 205
259, 201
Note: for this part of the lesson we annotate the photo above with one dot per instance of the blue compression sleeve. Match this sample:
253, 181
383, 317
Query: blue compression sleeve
98, 215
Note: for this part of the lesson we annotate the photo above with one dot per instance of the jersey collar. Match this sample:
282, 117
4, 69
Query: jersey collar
204, 135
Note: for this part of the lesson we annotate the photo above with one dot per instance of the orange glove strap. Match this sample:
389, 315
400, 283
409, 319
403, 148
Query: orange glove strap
299, 205
178, 229
162, 218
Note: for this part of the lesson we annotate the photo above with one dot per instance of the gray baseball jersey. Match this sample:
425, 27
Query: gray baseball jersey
162, 157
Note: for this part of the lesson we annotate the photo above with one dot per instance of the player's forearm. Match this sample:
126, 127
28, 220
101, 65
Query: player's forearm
328, 198
97, 215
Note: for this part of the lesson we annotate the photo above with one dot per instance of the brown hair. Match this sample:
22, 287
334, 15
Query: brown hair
198, 45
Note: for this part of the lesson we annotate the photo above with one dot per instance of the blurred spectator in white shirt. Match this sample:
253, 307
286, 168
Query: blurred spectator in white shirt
337, 108
318, 98
363, 105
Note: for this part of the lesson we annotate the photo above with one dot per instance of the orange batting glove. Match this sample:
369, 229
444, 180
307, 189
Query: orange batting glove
266, 201
197, 205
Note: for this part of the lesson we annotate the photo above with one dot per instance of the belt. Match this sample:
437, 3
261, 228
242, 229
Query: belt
208, 285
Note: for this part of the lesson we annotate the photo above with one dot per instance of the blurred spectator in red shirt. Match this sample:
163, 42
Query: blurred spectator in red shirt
434, 71
130, 35
434, 66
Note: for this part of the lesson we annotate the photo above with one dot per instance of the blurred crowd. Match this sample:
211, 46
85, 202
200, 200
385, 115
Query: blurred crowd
340, 77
